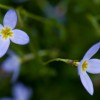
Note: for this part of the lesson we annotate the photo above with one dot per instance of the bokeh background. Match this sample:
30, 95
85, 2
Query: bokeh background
57, 28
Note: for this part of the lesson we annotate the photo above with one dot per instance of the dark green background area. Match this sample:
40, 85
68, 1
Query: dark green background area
51, 39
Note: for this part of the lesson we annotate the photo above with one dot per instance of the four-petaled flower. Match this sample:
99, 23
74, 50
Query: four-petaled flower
89, 65
7, 32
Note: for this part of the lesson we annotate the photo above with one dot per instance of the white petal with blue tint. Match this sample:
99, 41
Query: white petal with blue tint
12, 64
4, 45
94, 66
21, 92
86, 81
20, 37
92, 51
15, 74
10, 19
1, 26
7, 65
7, 99
79, 68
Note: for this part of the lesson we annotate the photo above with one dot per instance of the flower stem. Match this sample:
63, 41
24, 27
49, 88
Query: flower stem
30, 56
68, 61
30, 15
5, 7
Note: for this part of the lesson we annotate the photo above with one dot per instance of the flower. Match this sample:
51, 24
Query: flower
56, 12
12, 64
89, 65
7, 32
20, 92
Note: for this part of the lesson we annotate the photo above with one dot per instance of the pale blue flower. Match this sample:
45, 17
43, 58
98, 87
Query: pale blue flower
7, 32
89, 65
12, 65
20, 92
56, 12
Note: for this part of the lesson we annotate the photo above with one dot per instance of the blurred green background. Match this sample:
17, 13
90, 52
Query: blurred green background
57, 28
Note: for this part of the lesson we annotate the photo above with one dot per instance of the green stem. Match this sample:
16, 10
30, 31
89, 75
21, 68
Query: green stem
30, 56
5, 7
68, 61
30, 15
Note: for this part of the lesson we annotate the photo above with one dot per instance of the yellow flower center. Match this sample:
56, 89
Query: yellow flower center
84, 66
6, 32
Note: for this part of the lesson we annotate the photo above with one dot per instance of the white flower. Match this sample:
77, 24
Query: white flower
56, 12
89, 65
7, 32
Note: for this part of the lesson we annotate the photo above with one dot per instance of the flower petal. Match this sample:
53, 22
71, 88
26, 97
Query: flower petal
6, 99
1, 26
21, 92
12, 64
19, 37
86, 81
15, 74
92, 51
94, 66
4, 45
7, 65
10, 19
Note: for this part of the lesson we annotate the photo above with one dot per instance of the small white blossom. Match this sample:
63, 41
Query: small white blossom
7, 32
89, 65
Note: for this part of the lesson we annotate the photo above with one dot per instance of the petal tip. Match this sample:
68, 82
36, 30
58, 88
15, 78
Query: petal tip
93, 50
28, 40
10, 19
91, 93
11, 11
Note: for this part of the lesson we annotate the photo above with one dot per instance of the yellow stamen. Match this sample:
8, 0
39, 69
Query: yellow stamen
6, 32
84, 65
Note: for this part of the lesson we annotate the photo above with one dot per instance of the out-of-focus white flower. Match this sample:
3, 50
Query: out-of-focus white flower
12, 65
20, 92
56, 12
